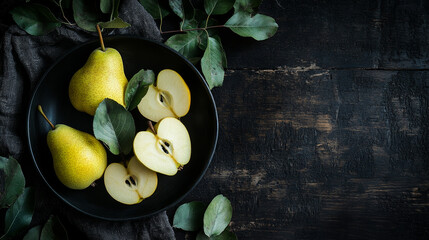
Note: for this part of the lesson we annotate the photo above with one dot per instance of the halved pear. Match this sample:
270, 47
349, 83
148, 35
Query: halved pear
165, 151
132, 184
169, 98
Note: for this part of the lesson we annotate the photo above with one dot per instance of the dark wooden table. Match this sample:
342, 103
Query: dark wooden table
324, 128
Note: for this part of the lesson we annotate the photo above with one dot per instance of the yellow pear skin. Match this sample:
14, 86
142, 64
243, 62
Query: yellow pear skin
79, 159
101, 77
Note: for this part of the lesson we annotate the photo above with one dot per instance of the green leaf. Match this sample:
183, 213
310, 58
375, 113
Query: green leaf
194, 60
84, 13
225, 235
224, 60
53, 230
189, 216
115, 10
114, 126
154, 9
211, 32
186, 43
218, 7
217, 216
33, 233
115, 23
106, 6
212, 63
259, 27
35, 19
19, 215
193, 20
249, 6
12, 181
137, 88
177, 7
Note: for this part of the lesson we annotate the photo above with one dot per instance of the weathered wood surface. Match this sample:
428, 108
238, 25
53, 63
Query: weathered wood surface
325, 127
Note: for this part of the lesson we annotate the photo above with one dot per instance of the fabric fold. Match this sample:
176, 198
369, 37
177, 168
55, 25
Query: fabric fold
25, 59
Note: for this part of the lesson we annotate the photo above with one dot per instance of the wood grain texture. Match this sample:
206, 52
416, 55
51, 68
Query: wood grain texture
335, 34
323, 154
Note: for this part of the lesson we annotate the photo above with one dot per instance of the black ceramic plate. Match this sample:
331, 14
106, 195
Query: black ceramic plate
137, 53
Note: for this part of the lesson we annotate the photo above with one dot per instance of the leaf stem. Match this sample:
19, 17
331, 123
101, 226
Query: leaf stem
149, 122
192, 29
101, 38
64, 15
160, 17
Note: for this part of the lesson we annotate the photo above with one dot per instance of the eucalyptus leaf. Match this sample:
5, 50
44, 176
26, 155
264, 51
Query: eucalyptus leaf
12, 181
84, 13
186, 43
217, 216
249, 6
114, 126
212, 63
189, 216
33, 233
177, 7
154, 9
137, 88
225, 235
259, 27
106, 6
35, 19
53, 230
218, 7
19, 215
115, 23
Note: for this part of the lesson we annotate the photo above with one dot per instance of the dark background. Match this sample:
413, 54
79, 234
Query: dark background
324, 130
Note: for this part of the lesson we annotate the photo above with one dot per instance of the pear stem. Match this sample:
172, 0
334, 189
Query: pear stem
44, 116
149, 122
101, 38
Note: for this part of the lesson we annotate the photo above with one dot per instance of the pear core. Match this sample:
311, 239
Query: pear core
165, 151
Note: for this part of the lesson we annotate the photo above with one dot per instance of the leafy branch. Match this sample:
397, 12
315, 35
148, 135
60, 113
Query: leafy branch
197, 39
37, 19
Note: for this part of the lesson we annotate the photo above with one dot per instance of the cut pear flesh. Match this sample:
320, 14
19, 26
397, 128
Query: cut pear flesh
166, 151
132, 184
169, 98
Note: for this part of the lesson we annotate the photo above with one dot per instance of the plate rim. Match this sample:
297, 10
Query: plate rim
122, 37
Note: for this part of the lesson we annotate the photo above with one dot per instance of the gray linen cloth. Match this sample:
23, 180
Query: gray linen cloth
24, 59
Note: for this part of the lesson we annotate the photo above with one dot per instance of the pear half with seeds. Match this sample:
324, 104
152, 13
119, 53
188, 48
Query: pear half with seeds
132, 184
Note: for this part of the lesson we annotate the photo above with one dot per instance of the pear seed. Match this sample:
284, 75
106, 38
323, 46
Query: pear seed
164, 149
128, 183
133, 182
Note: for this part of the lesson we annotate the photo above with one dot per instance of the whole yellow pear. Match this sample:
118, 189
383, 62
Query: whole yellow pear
101, 77
79, 159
